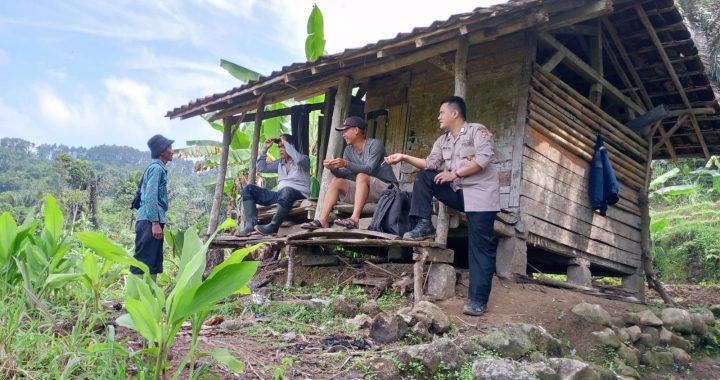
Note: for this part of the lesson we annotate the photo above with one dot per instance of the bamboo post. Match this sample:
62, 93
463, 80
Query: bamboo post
324, 129
443, 220
254, 146
596, 61
645, 240
334, 146
222, 172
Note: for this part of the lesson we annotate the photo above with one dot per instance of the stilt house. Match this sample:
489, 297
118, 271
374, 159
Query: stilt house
546, 77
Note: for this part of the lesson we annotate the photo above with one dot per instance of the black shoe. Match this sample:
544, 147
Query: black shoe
423, 230
474, 308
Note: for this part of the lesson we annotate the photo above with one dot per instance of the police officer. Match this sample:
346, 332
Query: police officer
469, 183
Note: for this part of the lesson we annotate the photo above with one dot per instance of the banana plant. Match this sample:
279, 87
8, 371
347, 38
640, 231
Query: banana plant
158, 317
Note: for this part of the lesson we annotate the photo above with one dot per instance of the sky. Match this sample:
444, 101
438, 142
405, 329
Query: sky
87, 72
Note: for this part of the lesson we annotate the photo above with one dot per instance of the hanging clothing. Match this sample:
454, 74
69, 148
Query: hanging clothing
603, 186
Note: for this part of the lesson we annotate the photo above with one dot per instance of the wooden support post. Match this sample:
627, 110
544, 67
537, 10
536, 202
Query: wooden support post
334, 147
596, 61
324, 129
419, 277
645, 240
671, 71
222, 172
255, 145
443, 219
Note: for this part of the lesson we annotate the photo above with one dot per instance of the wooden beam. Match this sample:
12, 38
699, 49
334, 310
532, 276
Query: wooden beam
665, 136
587, 12
671, 71
254, 145
553, 61
588, 72
596, 61
640, 123
220, 182
442, 64
620, 71
341, 110
628, 62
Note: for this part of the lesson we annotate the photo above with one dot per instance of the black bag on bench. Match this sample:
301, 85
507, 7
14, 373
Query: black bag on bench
392, 213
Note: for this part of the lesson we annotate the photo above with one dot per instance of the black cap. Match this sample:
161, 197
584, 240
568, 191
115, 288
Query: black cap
158, 144
352, 121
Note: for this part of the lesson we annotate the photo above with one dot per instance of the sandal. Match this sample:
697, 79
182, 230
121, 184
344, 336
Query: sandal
347, 223
312, 225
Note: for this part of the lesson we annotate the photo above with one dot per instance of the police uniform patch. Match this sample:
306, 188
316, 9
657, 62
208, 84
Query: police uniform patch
484, 133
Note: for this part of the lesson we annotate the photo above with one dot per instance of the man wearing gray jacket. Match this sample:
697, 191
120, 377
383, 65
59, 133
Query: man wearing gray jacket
293, 170
360, 175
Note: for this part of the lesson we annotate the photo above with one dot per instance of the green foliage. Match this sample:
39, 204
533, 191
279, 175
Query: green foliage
315, 41
239, 72
158, 317
688, 247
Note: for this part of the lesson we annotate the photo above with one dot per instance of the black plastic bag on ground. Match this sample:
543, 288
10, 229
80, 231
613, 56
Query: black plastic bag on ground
392, 213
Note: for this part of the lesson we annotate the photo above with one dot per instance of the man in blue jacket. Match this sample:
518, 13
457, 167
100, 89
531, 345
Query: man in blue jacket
151, 216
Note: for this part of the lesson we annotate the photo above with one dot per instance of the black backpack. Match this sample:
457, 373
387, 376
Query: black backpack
135, 205
392, 214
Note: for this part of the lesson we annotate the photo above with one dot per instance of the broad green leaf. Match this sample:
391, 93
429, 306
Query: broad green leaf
224, 356
204, 143
53, 217
228, 223
235, 257
107, 249
315, 42
657, 226
224, 283
125, 320
241, 140
58, 280
143, 321
8, 233
664, 178
678, 190
716, 183
241, 73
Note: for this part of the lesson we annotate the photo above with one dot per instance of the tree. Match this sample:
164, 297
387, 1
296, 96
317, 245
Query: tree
703, 18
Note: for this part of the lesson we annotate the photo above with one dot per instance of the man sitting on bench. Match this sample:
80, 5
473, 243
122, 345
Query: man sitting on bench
293, 170
360, 176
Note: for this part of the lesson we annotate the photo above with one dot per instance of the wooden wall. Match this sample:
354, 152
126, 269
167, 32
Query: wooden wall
494, 82
554, 199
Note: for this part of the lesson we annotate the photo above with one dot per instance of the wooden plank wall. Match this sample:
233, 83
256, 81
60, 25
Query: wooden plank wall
554, 198
494, 80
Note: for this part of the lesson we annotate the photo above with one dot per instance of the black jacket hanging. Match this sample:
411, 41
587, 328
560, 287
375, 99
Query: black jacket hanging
603, 185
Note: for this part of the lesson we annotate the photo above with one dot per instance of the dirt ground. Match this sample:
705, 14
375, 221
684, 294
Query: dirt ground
509, 303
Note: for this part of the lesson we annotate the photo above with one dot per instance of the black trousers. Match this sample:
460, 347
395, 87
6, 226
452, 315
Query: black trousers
482, 243
148, 250
262, 196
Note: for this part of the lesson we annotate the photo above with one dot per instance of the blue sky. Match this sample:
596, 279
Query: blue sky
84, 72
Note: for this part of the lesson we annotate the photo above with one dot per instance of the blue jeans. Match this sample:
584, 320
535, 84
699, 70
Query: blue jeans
482, 243
285, 197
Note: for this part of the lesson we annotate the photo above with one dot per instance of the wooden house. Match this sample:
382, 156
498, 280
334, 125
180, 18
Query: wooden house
546, 76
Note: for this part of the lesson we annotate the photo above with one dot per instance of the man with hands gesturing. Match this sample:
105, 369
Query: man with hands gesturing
469, 183
293, 170
360, 175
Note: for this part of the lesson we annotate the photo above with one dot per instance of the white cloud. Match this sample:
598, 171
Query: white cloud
51, 106
4, 58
